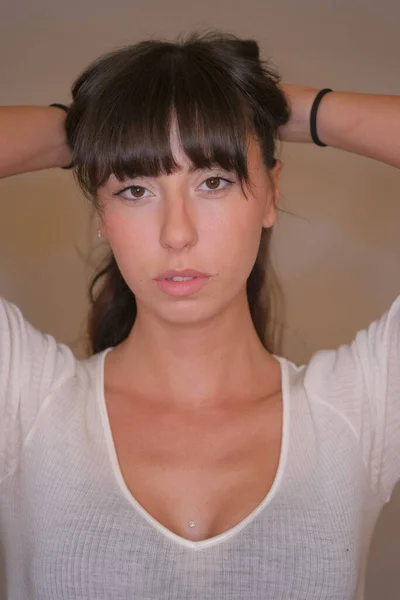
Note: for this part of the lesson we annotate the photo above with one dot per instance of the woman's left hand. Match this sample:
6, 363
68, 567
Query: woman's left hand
300, 99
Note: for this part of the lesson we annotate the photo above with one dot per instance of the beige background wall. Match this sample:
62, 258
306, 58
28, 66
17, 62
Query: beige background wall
338, 255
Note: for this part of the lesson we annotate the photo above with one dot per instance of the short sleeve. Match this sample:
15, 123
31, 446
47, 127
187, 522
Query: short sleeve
379, 347
361, 381
32, 365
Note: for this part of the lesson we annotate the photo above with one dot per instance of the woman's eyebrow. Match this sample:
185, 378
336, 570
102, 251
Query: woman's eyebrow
193, 168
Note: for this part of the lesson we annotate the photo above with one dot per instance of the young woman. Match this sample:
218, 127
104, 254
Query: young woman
184, 459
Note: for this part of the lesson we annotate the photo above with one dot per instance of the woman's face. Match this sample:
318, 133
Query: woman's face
190, 219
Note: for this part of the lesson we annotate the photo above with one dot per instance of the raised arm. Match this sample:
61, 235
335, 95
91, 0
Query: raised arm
365, 124
32, 138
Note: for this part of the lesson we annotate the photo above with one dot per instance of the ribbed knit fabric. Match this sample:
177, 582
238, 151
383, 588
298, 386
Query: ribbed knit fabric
71, 530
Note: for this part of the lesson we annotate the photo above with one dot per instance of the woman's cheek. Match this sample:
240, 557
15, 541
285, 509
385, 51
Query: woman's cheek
248, 249
124, 234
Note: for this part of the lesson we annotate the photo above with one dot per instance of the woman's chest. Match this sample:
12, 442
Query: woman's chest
199, 472
306, 542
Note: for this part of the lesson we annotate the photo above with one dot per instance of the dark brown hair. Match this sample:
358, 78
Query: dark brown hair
119, 122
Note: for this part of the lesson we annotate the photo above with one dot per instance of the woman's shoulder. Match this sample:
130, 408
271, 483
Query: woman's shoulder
36, 357
34, 370
360, 365
356, 387
356, 380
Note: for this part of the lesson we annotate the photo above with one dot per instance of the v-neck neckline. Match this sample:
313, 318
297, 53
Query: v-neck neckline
112, 454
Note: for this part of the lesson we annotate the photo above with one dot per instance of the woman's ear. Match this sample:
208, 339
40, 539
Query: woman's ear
272, 204
276, 176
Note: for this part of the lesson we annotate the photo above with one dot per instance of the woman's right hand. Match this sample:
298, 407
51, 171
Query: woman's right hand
32, 138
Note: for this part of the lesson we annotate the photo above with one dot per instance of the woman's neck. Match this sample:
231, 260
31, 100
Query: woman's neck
208, 363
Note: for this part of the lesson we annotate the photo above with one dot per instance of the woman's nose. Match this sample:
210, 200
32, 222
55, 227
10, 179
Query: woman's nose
178, 228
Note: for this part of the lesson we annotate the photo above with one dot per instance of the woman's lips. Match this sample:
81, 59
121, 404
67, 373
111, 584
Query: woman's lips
182, 273
182, 288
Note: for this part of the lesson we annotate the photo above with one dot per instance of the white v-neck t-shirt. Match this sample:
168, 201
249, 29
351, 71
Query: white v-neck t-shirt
71, 530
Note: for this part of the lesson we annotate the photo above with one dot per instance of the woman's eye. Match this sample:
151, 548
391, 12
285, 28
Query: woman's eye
213, 184
138, 192
133, 192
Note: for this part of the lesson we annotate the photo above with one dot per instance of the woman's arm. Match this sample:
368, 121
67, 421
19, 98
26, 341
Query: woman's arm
365, 124
32, 138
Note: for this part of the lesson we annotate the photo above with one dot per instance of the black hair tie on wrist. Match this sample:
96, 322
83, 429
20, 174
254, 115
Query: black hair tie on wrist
313, 116
65, 108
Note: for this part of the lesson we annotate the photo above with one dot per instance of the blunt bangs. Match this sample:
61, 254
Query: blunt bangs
125, 104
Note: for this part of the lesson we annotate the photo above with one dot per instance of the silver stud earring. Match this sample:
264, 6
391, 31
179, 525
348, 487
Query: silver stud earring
99, 233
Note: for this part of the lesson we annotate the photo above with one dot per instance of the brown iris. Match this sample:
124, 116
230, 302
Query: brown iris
137, 191
213, 182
